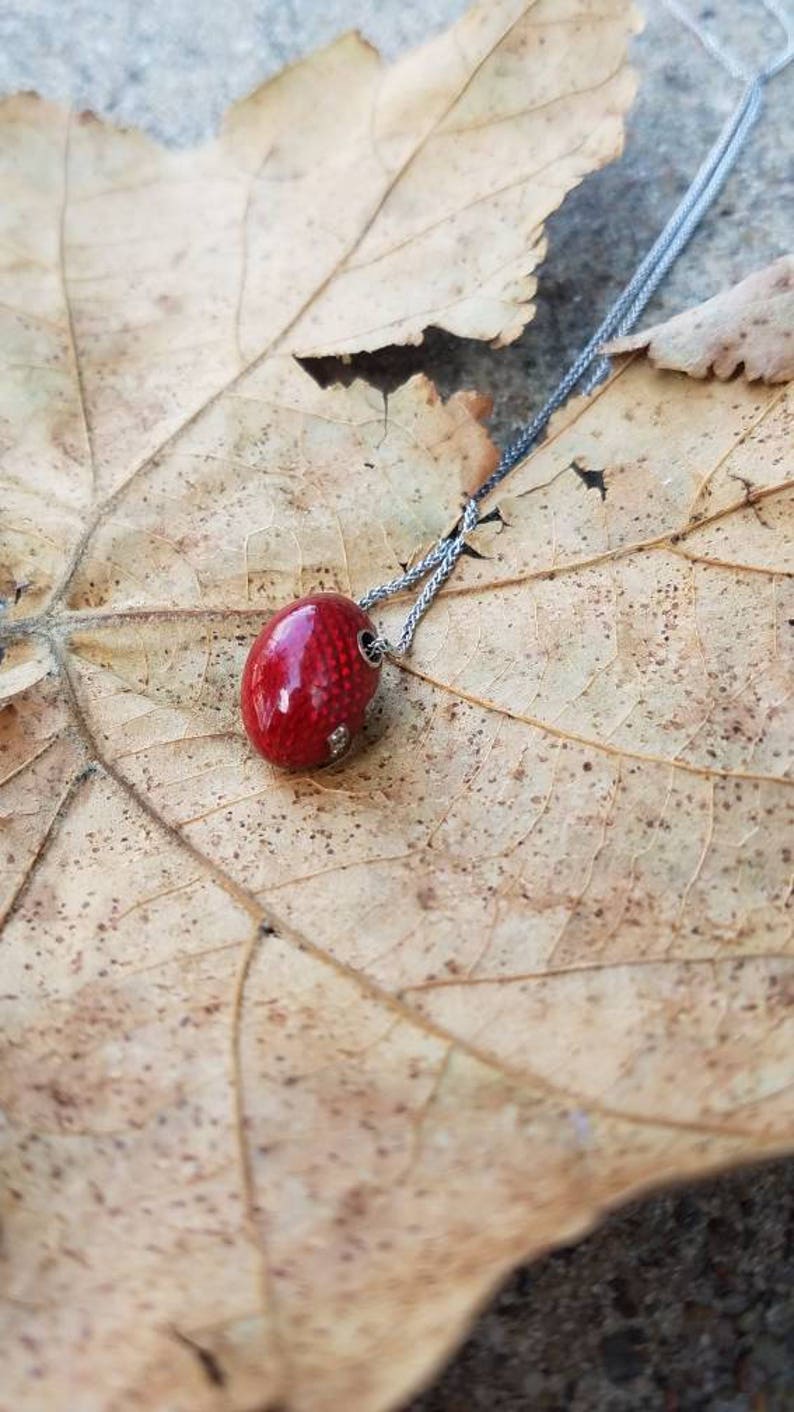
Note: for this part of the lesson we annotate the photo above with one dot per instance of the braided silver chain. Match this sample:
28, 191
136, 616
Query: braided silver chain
590, 367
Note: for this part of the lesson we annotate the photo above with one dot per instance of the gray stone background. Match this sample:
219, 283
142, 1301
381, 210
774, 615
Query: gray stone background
684, 1303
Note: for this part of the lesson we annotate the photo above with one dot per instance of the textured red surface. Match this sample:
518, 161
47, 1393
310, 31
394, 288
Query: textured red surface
304, 677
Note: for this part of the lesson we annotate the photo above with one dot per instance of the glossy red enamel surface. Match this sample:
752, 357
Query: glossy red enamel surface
305, 676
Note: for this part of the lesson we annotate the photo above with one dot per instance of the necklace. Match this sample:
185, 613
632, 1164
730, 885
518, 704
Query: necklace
314, 668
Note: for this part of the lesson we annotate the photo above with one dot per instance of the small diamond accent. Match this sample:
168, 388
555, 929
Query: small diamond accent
338, 741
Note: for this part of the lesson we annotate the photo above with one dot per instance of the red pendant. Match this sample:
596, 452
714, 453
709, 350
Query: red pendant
308, 681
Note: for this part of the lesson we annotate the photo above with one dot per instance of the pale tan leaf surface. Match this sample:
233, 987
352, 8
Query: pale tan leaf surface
749, 328
345, 205
293, 1070
493, 943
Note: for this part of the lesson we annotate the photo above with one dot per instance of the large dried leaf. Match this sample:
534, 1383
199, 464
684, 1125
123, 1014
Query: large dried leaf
294, 1069
749, 327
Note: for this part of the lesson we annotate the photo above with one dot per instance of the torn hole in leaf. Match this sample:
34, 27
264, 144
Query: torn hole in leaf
493, 516
593, 480
443, 357
446, 378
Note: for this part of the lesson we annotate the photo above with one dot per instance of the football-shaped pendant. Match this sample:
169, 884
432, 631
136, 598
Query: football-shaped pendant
308, 680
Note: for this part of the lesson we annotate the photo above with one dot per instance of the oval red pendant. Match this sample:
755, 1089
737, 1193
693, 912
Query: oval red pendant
308, 681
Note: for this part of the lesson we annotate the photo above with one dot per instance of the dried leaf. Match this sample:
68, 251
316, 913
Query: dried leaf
294, 1069
748, 327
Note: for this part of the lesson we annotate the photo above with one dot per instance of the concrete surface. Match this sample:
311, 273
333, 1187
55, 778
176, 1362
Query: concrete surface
680, 1304
685, 1303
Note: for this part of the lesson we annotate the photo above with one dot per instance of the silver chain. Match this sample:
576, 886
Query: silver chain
590, 367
